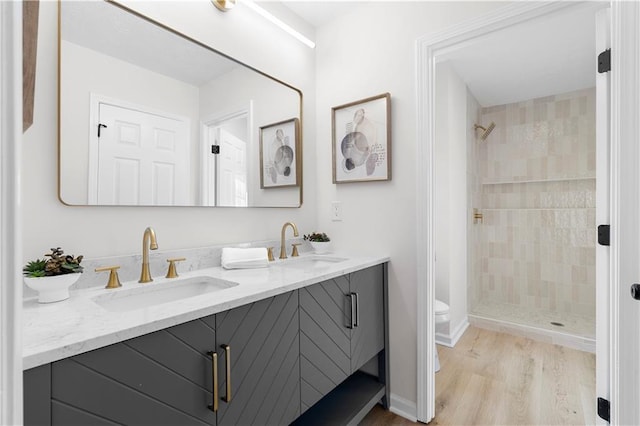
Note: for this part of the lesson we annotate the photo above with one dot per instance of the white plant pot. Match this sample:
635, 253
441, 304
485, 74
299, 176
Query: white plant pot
52, 289
321, 247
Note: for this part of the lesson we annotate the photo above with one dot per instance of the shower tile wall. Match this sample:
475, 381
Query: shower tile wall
537, 248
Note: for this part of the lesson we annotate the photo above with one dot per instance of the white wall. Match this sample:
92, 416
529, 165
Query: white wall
451, 219
368, 52
105, 231
441, 177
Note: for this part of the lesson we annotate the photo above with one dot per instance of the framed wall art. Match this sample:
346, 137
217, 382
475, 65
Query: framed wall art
361, 134
279, 154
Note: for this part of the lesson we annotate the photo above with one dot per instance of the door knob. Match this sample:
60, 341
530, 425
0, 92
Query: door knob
635, 291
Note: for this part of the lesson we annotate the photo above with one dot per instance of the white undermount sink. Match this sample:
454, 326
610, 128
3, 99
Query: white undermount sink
311, 262
123, 300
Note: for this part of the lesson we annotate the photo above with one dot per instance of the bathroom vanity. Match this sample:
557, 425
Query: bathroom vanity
304, 340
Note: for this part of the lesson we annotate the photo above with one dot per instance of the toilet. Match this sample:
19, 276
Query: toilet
442, 316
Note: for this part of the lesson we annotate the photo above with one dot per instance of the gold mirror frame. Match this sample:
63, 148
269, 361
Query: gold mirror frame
202, 45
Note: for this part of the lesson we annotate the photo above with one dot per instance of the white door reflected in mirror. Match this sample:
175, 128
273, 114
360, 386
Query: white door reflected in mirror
142, 158
232, 170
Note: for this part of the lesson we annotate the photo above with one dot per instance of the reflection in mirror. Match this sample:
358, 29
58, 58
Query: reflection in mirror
149, 117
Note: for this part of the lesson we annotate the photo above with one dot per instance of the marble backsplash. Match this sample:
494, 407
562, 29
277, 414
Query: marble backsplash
196, 258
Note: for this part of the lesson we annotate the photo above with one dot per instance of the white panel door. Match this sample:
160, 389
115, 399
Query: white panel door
143, 158
232, 170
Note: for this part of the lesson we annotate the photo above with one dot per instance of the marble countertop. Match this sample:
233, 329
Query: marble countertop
76, 325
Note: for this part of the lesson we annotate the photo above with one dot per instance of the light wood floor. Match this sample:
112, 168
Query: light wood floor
492, 378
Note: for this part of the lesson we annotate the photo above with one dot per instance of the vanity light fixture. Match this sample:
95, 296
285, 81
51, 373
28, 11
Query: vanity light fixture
224, 5
277, 22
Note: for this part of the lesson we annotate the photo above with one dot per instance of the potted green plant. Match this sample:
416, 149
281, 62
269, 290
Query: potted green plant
51, 277
320, 242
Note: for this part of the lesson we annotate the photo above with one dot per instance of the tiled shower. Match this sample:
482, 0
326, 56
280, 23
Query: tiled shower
532, 254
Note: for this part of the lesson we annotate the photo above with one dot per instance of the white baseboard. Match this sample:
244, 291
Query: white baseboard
403, 407
452, 338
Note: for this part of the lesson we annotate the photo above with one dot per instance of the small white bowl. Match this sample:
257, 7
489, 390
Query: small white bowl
52, 289
321, 247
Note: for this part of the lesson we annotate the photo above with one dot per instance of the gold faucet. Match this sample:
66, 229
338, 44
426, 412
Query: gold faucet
148, 242
283, 250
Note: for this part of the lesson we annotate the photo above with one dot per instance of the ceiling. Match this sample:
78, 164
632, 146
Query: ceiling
546, 56
106, 28
318, 13
542, 57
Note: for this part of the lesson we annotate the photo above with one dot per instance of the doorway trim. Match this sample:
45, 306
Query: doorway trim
625, 203
214, 120
427, 48
10, 219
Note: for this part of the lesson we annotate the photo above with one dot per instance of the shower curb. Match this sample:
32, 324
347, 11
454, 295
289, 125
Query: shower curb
580, 343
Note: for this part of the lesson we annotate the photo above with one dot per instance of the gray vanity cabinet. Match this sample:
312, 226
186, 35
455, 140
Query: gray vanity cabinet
162, 378
325, 338
261, 353
341, 328
166, 377
310, 350
37, 396
367, 335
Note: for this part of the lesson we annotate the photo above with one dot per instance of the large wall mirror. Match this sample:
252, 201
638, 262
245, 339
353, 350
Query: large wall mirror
150, 117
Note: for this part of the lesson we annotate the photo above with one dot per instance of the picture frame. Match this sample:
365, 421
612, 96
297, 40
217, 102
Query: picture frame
361, 140
280, 163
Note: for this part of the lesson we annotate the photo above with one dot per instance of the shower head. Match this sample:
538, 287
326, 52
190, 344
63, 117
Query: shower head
486, 130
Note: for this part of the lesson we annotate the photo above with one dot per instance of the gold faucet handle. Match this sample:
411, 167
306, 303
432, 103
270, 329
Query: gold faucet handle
477, 216
270, 254
172, 272
294, 252
114, 280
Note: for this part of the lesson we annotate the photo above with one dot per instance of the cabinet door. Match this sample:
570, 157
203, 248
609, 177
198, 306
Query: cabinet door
325, 348
367, 337
264, 353
37, 396
163, 378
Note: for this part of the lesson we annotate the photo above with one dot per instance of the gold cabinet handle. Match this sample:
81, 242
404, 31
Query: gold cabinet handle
214, 380
227, 361
172, 272
114, 280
